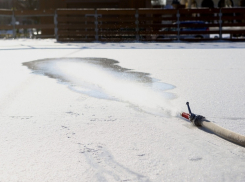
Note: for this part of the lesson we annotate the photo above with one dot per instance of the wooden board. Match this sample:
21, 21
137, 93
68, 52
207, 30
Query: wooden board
159, 33
75, 11
199, 25
116, 11
6, 12
76, 27
76, 39
233, 31
202, 18
72, 32
157, 25
34, 12
6, 27
198, 32
170, 18
116, 26
239, 18
50, 26
75, 19
233, 10
203, 11
157, 11
233, 24
118, 19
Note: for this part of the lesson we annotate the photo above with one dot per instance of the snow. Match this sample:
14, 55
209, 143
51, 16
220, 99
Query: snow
66, 116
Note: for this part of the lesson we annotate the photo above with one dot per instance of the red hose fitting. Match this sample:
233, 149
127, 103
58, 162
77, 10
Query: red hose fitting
185, 115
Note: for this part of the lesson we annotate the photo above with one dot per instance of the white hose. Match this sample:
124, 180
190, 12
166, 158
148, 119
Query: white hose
224, 133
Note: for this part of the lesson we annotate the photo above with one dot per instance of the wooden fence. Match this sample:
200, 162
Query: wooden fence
137, 24
35, 16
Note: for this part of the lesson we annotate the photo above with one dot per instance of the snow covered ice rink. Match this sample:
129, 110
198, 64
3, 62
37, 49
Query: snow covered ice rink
109, 111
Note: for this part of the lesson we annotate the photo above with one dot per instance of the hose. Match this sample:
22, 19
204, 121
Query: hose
224, 133
201, 121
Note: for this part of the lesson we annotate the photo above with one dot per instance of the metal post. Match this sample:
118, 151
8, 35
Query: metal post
178, 25
96, 26
220, 24
13, 24
56, 25
137, 25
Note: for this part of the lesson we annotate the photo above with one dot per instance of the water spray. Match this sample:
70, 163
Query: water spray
201, 121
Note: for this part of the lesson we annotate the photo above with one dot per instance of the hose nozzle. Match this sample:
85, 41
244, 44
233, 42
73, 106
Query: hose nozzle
195, 119
185, 115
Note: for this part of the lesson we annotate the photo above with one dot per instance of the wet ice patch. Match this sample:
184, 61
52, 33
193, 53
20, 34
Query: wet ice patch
105, 79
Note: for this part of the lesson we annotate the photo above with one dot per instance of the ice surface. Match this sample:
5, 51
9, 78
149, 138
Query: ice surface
103, 78
50, 133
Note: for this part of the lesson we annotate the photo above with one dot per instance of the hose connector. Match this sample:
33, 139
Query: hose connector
195, 119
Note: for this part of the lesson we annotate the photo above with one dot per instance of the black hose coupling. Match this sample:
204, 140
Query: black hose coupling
195, 119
